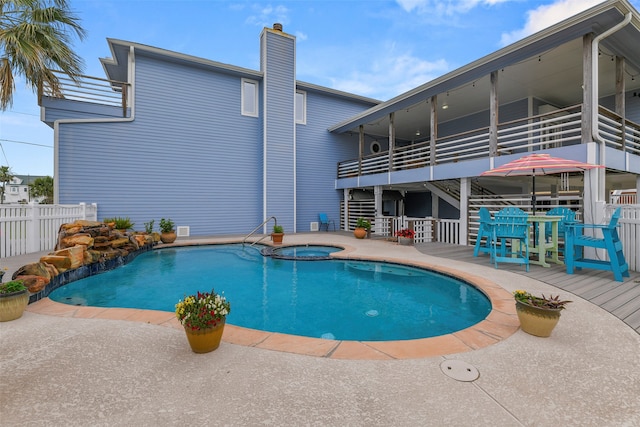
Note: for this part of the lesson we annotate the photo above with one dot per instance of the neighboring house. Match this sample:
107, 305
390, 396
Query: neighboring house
248, 145
17, 190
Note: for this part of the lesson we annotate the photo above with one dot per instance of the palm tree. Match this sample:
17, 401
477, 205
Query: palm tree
5, 177
35, 37
42, 187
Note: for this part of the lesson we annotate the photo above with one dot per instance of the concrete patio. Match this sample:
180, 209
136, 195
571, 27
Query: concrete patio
70, 371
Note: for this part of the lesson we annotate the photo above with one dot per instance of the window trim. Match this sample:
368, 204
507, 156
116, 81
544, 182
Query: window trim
302, 121
243, 110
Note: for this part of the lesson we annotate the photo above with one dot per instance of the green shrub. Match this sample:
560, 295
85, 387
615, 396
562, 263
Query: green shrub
166, 225
120, 223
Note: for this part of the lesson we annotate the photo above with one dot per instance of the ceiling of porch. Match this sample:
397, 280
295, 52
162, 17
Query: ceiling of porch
554, 77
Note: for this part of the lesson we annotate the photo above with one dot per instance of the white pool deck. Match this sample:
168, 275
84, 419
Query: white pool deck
56, 369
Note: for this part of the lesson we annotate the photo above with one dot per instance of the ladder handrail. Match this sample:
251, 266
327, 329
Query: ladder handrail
257, 228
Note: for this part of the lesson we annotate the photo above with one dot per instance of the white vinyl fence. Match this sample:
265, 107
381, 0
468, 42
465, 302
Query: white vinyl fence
33, 228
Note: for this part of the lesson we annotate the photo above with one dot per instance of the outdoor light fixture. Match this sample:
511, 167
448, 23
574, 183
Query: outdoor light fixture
418, 132
445, 106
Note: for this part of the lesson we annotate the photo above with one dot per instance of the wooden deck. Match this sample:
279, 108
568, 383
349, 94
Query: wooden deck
622, 299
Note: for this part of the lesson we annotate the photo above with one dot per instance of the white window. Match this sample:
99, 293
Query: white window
14, 189
301, 107
249, 98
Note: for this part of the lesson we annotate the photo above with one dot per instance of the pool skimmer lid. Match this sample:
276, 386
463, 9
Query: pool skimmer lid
459, 370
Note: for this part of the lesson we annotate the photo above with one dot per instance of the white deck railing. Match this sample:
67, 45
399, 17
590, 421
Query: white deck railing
556, 129
33, 228
427, 229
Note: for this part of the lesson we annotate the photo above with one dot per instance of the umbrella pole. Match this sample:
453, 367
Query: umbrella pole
533, 203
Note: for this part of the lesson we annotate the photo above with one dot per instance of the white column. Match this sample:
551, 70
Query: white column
465, 192
377, 197
345, 198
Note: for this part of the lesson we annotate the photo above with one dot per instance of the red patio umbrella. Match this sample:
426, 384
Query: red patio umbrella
538, 164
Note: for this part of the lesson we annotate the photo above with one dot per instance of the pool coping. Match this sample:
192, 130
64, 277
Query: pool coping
501, 323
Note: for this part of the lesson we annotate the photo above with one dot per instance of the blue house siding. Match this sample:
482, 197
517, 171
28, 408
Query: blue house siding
189, 154
318, 153
279, 118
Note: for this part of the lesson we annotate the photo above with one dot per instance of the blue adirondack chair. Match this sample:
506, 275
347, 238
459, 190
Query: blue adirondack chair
568, 217
484, 232
576, 241
325, 221
510, 226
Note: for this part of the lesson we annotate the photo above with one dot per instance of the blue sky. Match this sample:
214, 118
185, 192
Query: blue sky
373, 48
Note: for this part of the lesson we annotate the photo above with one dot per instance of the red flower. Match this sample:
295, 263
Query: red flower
405, 232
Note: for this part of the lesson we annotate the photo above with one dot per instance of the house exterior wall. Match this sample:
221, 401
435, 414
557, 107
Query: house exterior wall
318, 153
187, 153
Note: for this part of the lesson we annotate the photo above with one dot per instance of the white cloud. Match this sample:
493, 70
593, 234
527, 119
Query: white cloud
266, 16
546, 16
444, 8
391, 74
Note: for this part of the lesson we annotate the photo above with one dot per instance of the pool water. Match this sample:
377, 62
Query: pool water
302, 252
333, 299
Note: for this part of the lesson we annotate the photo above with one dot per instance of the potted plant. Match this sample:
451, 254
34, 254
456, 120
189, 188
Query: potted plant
277, 234
14, 298
203, 317
167, 231
405, 236
538, 315
362, 228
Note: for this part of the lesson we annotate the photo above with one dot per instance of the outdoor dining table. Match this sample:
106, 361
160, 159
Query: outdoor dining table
539, 245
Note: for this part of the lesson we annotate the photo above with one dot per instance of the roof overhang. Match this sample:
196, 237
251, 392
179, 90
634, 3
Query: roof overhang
625, 43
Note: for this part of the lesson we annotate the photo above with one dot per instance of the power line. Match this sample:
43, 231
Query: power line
26, 143
5, 156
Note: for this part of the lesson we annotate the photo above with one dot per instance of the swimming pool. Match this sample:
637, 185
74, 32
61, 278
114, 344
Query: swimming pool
336, 299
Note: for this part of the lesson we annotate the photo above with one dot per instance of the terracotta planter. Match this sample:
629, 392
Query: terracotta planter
277, 238
168, 237
537, 321
360, 232
205, 340
405, 241
12, 305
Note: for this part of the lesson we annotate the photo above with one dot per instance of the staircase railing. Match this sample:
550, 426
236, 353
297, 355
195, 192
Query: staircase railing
275, 221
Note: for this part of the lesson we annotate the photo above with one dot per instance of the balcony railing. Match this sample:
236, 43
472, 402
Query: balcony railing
89, 89
559, 128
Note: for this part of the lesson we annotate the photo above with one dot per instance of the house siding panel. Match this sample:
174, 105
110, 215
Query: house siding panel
189, 154
318, 153
279, 63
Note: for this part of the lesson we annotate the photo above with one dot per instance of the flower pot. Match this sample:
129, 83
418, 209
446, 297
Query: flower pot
205, 340
168, 237
537, 321
12, 305
405, 241
277, 238
360, 232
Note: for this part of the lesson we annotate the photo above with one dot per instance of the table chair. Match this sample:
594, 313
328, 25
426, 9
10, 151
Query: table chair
484, 232
325, 221
510, 225
568, 216
576, 241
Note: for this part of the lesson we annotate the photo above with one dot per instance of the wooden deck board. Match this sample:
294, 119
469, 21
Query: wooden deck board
621, 299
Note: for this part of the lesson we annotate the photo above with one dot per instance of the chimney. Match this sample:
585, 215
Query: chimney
277, 26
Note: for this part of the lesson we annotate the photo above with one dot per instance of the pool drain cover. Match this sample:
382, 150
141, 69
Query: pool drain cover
459, 370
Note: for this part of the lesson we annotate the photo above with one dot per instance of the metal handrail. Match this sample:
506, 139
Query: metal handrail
257, 228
